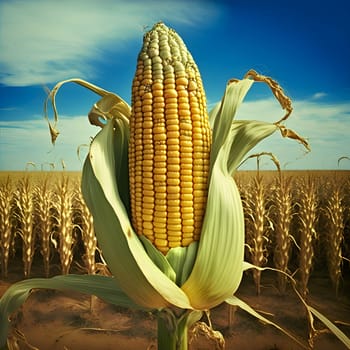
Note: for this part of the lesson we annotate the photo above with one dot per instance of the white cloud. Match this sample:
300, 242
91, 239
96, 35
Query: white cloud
325, 125
29, 141
44, 41
319, 95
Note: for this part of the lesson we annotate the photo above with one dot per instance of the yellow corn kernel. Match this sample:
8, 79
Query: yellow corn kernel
169, 143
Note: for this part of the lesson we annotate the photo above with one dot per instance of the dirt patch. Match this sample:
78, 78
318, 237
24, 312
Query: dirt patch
72, 321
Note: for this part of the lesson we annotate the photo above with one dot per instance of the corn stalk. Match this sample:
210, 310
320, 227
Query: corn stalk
257, 226
64, 223
308, 207
334, 211
6, 210
24, 199
282, 220
44, 207
87, 231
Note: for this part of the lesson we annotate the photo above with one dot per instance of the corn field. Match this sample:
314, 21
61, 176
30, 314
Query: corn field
297, 222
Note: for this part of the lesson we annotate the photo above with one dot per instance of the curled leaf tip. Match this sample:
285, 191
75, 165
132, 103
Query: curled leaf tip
270, 154
54, 133
109, 106
233, 80
342, 158
95, 116
276, 89
291, 134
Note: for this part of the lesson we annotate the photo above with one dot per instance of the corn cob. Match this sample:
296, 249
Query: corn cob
170, 140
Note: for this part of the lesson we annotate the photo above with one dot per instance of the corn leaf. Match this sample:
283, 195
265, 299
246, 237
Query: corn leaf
211, 280
158, 258
332, 327
121, 135
110, 101
104, 287
214, 276
309, 309
182, 260
223, 114
233, 300
109, 107
245, 134
129, 262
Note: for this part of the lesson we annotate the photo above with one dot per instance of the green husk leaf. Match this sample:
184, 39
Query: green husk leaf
211, 280
110, 101
182, 260
108, 107
247, 134
189, 261
223, 114
176, 257
113, 107
139, 277
214, 276
121, 144
213, 114
104, 287
158, 258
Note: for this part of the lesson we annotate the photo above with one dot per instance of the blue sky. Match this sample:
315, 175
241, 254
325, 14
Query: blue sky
304, 45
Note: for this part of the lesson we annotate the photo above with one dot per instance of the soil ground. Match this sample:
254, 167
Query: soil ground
52, 320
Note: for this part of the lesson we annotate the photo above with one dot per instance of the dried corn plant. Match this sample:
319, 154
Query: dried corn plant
282, 215
346, 255
64, 222
24, 199
44, 198
307, 220
257, 225
87, 233
6, 198
335, 213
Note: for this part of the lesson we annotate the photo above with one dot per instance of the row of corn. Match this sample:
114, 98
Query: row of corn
293, 223
45, 217
297, 225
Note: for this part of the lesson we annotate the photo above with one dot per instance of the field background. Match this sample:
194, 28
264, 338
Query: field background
297, 221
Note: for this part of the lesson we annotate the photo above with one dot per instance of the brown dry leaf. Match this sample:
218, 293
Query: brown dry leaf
291, 134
